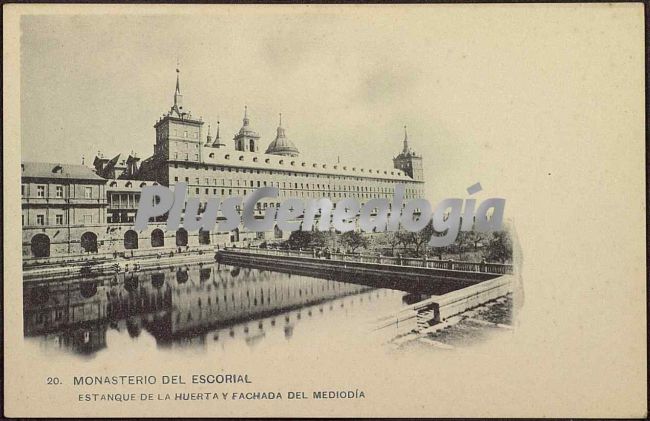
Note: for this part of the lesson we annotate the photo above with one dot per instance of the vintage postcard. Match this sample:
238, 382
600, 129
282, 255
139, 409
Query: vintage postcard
324, 210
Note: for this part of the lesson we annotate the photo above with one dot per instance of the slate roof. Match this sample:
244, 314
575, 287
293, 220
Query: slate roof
58, 171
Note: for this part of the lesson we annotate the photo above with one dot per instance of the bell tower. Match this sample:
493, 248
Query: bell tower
178, 135
408, 161
247, 140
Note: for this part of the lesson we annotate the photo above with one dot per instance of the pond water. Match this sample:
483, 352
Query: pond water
201, 308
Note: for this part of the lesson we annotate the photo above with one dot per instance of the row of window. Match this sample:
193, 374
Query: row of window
284, 173
177, 133
291, 185
42, 191
186, 156
295, 185
301, 193
58, 219
123, 200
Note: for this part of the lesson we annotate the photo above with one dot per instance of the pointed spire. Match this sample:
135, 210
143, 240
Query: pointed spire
246, 121
217, 139
406, 149
280, 133
178, 97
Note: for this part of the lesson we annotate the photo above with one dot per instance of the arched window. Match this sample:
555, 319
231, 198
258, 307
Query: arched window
89, 242
130, 240
181, 276
252, 145
41, 245
204, 237
88, 289
157, 238
181, 237
158, 279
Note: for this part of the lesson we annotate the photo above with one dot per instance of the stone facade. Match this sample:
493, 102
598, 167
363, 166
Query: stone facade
101, 205
63, 209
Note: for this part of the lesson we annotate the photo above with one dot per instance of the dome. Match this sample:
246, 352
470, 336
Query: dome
281, 145
247, 130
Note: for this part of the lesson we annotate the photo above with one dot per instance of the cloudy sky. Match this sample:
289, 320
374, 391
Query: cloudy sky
473, 84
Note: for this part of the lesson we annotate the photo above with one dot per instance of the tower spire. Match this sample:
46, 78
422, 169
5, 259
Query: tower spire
406, 149
178, 80
280, 132
178, 97
246, 120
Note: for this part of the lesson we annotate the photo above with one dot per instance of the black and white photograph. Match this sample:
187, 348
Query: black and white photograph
325, 210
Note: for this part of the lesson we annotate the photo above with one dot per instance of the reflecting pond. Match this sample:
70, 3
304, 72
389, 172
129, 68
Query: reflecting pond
198, 308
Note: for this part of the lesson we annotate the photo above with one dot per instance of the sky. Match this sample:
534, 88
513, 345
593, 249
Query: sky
474, 85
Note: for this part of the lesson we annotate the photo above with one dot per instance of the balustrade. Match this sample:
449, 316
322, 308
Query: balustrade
420, 262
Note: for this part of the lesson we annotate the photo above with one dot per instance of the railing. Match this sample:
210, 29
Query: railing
422, 262
71, 259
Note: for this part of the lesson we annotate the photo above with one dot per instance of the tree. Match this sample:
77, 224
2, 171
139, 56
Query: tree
307, 239
499, 248
469, 240
417, 239
393, 240
299, 239
353, 240
320, 239
387, 240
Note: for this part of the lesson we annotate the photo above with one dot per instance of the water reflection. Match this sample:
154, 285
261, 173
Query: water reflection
180, 306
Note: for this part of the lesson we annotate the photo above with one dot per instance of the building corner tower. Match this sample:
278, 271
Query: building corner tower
408, 161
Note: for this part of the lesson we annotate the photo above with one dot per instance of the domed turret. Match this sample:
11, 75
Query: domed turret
247, 138
282, 145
